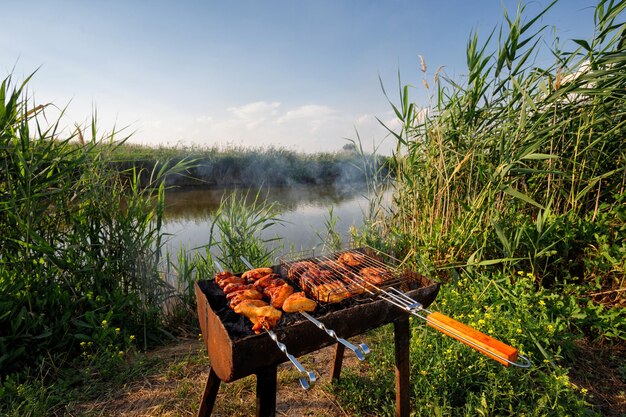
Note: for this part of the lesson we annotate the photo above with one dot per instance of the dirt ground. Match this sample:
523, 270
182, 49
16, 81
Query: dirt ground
177, 390
174, 387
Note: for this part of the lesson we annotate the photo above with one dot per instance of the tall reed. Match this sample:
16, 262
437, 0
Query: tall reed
499, 167
80, 240
237, 229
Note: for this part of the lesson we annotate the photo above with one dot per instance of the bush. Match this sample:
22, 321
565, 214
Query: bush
79, 241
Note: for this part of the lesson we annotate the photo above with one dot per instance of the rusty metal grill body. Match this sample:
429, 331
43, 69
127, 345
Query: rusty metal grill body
234, 354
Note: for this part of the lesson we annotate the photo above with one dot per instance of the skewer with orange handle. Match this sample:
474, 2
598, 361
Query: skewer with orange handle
487, 345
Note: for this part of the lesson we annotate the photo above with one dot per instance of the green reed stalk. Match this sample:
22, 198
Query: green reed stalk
80, 239
494, 152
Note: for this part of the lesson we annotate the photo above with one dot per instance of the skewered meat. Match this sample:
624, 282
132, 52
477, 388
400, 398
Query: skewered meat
323, 286
236, 287
249, 293
235, 301
269, 281
278, 294
334, 266
375, 276
331, 292
351, 258
224, 278
297, 302
313, 277
256, 274
298, 268
259, 313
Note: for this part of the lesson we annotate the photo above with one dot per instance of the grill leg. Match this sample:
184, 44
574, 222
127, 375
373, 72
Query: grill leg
402, 337
266, 392
336, 372
210, 393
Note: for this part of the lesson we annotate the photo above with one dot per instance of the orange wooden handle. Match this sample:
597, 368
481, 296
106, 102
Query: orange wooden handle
481, 342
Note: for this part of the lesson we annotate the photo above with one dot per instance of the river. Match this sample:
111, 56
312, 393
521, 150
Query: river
304, 211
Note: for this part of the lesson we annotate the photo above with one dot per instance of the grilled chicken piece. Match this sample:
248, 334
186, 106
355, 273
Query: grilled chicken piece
351, 258
236, 287
249, 293
298, 268
232, 280
224, 278
297, 302
331, 292
248, 304
268, 281
256, 274
314, 277
338, 269
263, 316
375, 276
279, 294
240, 297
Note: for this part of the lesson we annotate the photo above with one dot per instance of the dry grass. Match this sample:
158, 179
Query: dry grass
601, 369
175, 388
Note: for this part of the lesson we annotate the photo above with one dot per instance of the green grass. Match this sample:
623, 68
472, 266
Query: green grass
450, 379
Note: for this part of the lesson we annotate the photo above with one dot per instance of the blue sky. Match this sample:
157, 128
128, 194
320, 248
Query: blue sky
299, 74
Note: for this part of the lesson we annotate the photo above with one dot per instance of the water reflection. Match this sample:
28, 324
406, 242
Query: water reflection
189, 213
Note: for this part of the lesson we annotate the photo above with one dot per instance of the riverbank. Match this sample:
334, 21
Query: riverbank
250, 167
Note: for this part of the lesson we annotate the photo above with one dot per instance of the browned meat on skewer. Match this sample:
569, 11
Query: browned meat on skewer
238, 299
334, 266
269, 281
278, 294
375, 276
257, 273
298, 268
351, 258
331, 292
236, 287
249, 293
224, 278
298, 302
259, 313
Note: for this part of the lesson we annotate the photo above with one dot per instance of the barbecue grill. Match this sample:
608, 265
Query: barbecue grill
357, 290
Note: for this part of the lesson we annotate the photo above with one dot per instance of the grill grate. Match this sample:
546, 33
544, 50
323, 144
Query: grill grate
333, 277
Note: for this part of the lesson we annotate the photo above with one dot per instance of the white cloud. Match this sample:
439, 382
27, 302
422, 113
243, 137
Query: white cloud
253, 114
309, 127
307, 112
204, 119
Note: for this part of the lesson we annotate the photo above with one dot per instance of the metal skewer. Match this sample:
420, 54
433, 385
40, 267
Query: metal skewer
360, 351
415, 308
310, 378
